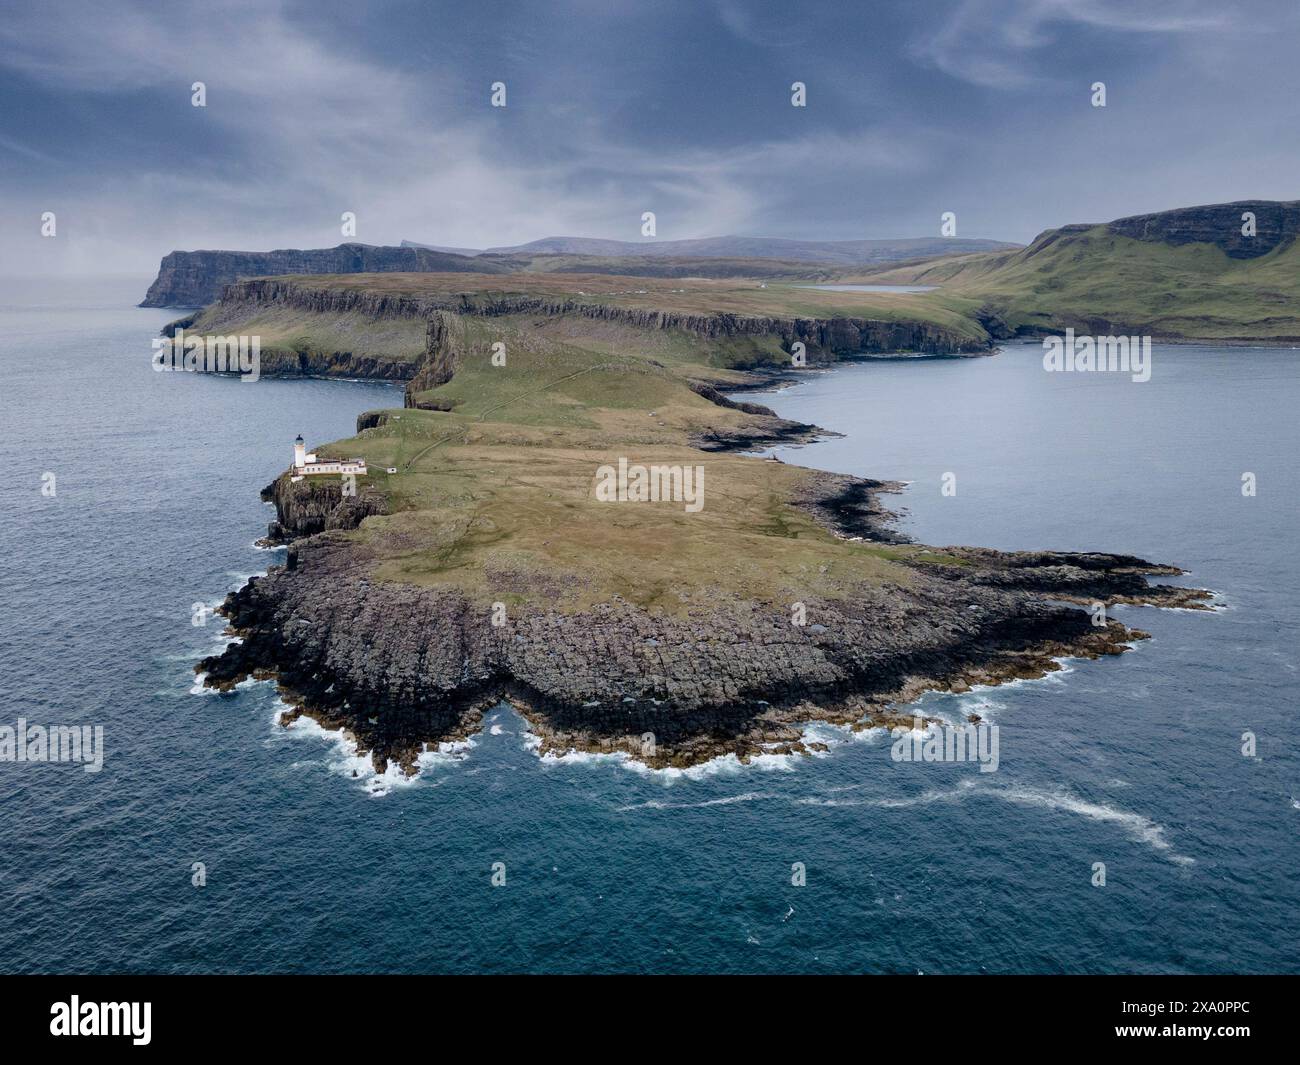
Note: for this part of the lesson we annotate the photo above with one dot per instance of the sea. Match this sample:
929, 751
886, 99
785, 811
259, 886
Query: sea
1144, 816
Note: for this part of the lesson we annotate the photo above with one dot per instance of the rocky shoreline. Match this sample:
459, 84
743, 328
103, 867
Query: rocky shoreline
402, 669
394, 629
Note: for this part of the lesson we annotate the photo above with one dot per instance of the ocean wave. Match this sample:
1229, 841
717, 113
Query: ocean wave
345, 759
198, 687
726, 800
722, 765
240, 578
1136, 826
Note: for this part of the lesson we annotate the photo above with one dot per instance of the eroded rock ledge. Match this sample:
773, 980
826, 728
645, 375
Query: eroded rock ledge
401, 666
314, 505
833, 336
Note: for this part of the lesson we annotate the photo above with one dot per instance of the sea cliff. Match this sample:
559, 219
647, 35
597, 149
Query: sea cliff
488, 567
196, 278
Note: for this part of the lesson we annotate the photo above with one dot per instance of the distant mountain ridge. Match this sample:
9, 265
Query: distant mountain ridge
842, 252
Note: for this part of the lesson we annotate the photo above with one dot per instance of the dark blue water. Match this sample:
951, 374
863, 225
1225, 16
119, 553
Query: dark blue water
1134, 762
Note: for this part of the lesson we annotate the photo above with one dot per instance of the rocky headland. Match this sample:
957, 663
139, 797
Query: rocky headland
196, 278
487, 567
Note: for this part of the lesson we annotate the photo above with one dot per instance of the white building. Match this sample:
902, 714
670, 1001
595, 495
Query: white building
305, 465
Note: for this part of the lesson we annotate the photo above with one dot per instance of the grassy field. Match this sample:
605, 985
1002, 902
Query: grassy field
497, 495
296, 330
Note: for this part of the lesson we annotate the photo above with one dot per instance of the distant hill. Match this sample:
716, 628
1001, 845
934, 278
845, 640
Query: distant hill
196, 278
1189, 273
841, 252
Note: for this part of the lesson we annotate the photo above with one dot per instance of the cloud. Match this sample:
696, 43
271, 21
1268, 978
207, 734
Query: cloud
990, 42
314, 131
316, 109
11, 145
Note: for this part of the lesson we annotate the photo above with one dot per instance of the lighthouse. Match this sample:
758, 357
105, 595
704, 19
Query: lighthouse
306, 463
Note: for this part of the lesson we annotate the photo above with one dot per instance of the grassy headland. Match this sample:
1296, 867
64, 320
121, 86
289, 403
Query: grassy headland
488, 566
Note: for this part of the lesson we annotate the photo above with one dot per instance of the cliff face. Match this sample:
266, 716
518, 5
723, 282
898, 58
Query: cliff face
1276, 223
399, 665
827, 337
391, 635
196, 278
317, 504
443, 342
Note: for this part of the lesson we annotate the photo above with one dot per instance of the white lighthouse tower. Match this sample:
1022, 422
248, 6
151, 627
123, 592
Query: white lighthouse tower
299, 454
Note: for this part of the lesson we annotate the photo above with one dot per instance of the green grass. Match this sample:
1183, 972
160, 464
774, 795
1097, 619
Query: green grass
496, 496
292, 329
1094, 279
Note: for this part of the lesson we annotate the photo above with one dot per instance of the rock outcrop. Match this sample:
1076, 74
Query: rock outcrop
401, 666
317, 504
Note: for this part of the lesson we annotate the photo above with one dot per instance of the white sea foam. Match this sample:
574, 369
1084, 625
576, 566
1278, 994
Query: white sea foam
726, 800
240, 579
1135, 825
344, 759
974, 702
723, 765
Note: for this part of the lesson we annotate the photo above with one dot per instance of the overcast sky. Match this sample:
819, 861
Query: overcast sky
382, 107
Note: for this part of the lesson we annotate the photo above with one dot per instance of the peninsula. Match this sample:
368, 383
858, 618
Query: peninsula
490, 565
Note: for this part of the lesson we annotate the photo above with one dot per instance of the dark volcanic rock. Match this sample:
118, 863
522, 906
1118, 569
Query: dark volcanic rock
714, 396
400, 665
316, 504
850, 506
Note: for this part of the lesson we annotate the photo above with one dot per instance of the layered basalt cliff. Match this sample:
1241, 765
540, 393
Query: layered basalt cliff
829, 337
664, 631
1276, 223
400, 666
196, 278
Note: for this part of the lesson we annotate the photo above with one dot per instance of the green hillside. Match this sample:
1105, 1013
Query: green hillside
1098, 280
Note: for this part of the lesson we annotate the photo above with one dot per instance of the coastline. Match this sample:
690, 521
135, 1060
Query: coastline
1024, 632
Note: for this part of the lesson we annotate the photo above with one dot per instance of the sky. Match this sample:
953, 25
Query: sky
382, 108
